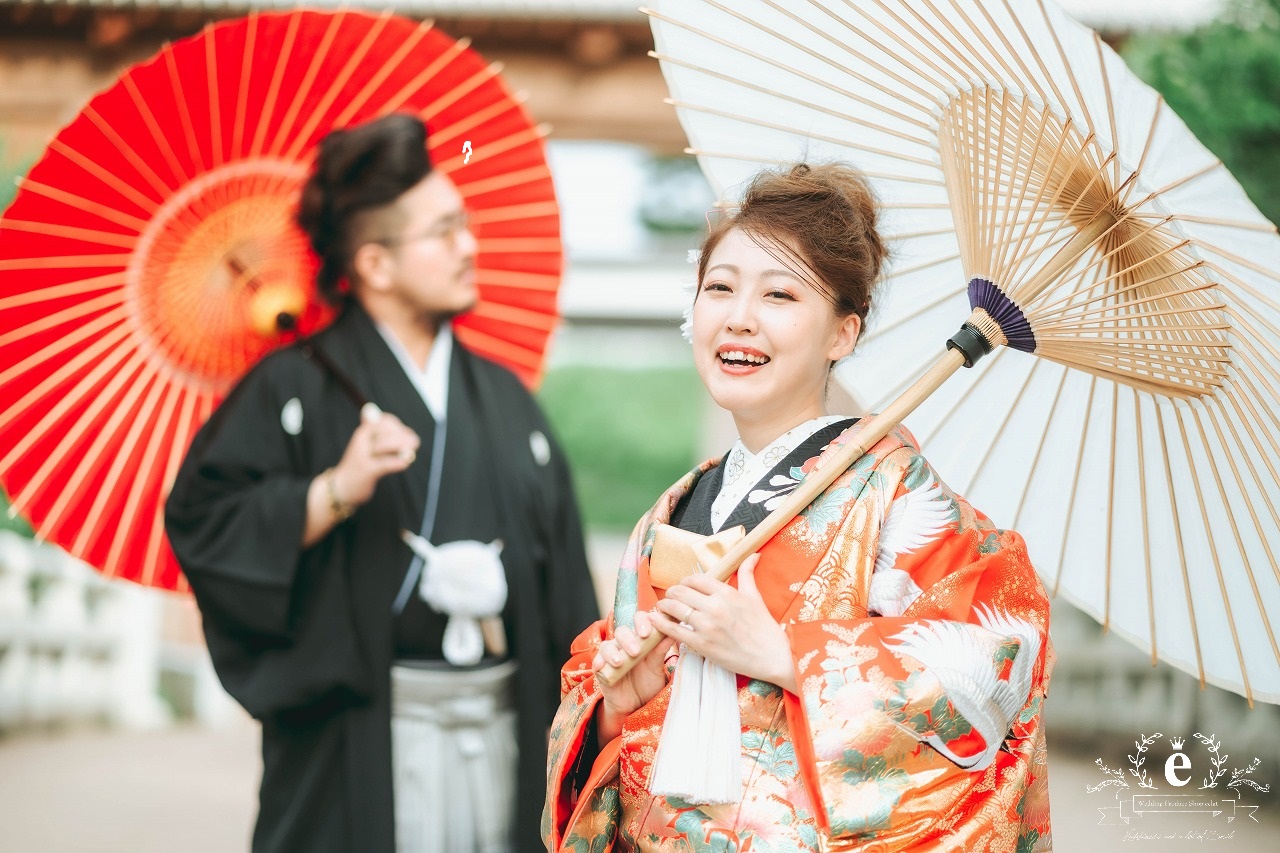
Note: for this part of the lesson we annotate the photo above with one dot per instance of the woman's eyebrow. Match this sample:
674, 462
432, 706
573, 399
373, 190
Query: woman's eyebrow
773, 273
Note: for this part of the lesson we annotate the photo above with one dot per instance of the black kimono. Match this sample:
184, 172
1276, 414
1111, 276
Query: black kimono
305, 639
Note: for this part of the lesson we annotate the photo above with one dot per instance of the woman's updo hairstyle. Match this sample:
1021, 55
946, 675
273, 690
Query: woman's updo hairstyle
821, 222
357, 169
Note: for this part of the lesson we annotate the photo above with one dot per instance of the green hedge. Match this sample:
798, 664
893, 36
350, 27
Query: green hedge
8, 188
9, 174
628, 435
17, 523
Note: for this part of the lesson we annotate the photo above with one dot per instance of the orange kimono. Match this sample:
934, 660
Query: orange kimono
919, 633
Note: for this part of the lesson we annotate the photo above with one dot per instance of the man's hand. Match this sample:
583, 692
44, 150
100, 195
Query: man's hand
381, 445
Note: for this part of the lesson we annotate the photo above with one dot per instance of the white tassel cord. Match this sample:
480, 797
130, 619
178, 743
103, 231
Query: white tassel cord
466, 581
699, 754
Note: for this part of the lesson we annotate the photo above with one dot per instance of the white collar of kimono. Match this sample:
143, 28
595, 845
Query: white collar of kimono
743, 469
431, 381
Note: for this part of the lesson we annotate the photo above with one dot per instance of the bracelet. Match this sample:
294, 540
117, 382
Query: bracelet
341, 509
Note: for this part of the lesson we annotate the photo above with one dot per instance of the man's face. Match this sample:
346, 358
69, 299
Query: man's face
430, 261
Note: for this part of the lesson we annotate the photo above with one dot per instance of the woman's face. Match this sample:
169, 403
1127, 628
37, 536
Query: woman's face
763, 338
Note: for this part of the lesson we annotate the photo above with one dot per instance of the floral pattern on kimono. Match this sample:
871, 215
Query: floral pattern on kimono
918, 720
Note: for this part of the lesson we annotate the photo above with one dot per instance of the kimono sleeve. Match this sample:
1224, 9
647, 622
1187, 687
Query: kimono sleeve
237, 510
583, 803
951, 657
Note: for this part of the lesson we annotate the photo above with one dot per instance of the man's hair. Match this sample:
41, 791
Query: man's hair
358, 170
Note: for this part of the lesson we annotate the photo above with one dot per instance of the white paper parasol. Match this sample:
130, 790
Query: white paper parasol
1025, 170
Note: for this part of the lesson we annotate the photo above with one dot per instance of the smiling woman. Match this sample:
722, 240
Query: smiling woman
875, 672
763, 294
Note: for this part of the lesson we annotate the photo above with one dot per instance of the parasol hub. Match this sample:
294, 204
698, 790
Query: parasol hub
227, 242
1078, 265
270, 303
979, 335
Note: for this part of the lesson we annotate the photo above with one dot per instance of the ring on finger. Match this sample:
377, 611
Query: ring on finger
685, 621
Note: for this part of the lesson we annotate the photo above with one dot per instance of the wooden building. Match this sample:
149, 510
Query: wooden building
582, 63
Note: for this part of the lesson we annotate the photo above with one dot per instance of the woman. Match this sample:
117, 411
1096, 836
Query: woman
891, 644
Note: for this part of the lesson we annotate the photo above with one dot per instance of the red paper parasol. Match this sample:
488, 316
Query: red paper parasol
148, 253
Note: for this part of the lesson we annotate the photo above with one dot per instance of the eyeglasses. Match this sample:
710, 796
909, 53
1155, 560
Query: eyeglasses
447, 228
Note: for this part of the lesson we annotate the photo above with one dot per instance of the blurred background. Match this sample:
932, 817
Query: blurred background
114, 733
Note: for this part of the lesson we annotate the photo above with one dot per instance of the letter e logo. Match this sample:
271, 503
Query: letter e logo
1177, 761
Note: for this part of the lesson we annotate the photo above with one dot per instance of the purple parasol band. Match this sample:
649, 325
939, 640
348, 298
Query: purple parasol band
985, 295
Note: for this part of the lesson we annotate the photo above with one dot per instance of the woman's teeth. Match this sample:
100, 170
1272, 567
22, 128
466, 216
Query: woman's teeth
736, 356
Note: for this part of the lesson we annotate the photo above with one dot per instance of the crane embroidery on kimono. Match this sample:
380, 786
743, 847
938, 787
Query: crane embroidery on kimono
986, 671
915, 518
782, 484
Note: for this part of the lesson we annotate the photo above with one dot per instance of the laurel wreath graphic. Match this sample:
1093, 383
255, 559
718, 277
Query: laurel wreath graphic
1140, 758
1218, 761
1238, 778
1117, 779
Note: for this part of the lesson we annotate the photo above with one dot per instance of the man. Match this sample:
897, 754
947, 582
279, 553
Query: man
289, 516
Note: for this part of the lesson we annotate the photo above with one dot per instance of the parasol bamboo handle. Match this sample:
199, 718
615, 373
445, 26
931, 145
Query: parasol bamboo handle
495, 636
810, 487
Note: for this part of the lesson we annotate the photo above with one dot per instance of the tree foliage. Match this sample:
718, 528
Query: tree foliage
1223, 80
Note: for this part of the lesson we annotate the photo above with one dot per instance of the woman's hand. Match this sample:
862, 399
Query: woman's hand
634, 690
727, 626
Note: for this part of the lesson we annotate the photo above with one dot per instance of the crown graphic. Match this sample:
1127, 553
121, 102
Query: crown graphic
1177, 742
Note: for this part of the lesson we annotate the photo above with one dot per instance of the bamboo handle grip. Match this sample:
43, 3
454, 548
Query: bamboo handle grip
810, 487
495, 636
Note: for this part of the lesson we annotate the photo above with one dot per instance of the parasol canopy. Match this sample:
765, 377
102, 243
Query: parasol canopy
148, 254
1026, 174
